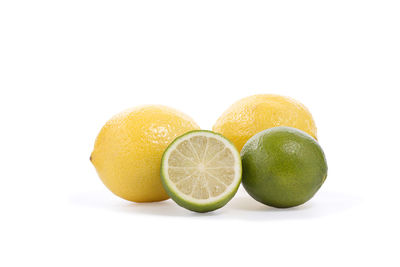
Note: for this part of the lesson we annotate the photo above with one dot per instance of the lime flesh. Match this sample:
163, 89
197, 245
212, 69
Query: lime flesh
201, 170
283, 167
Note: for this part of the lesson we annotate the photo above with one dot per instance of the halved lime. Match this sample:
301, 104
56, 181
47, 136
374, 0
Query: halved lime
201, 170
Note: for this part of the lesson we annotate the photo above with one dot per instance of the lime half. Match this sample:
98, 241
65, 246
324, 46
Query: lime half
201, 170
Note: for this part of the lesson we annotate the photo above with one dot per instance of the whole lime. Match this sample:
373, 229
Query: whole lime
283, 167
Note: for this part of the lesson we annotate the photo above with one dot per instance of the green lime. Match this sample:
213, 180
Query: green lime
283, 167
201, 170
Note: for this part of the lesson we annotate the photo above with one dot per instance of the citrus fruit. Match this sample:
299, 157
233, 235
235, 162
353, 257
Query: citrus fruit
283, 167
201, 170
254, 114
128, 150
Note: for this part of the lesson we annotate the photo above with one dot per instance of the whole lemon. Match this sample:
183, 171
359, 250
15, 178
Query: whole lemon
256, 113
128, 150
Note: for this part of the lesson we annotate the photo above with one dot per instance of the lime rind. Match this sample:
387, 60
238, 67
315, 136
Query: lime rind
283, 167
187, 201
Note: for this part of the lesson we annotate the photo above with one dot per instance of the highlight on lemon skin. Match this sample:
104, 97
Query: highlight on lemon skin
256, 113
129, 147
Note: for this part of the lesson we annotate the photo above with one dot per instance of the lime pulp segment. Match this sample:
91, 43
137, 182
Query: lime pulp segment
201, 167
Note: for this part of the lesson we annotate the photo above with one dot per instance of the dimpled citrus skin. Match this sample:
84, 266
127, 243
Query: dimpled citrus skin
256, 113
283, 167
128, 150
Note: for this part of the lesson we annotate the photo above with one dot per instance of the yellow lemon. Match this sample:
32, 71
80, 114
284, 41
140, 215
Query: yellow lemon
128, 150
256, 113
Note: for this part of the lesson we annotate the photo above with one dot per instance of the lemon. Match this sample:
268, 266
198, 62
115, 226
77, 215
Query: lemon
129, 147
201, 170
256, 113
283, 167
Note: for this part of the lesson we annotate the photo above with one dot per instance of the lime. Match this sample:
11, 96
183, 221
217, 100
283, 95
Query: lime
201, 170
283, 167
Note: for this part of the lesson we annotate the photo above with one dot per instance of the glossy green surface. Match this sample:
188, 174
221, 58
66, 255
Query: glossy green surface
283, 167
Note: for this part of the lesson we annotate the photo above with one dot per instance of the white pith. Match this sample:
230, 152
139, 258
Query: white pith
204, 168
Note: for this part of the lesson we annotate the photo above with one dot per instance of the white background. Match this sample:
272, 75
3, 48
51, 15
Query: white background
67, 66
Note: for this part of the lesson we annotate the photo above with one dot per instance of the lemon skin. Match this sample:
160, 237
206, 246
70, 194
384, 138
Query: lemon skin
256, 113
128, 150
283, 167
